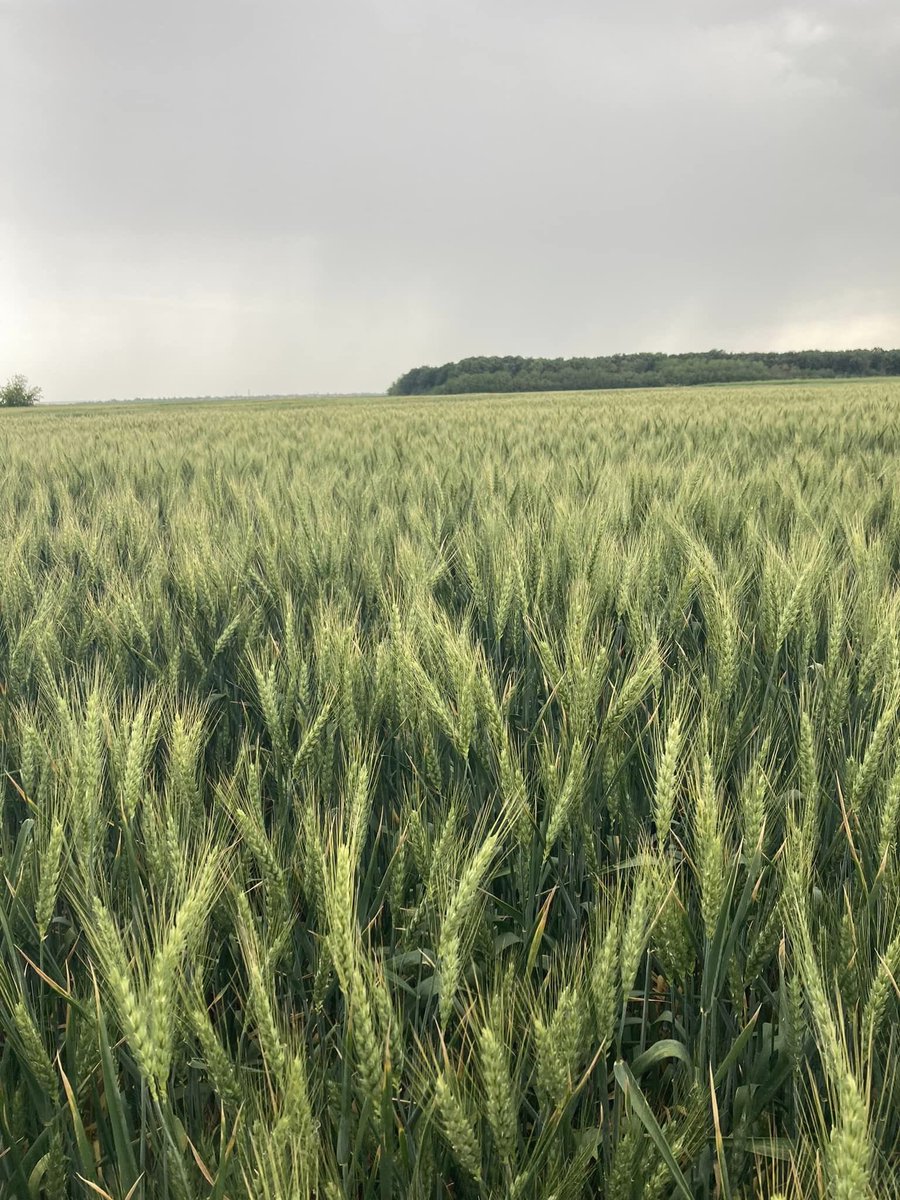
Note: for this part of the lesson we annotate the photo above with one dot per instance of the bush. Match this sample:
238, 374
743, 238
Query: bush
16, 393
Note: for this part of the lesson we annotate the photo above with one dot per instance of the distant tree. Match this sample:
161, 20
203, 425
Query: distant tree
16, 393
512, 374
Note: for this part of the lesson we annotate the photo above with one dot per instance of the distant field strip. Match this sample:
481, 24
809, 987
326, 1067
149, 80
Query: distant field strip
483, 798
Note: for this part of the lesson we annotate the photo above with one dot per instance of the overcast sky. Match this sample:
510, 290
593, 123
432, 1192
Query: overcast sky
215, 196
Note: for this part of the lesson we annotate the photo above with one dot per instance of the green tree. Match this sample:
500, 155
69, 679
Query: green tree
16, 393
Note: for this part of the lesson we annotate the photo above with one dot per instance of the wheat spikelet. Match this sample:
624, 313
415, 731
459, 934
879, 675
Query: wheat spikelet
339, 911
708, 848
48, 889
565, 801
889, 821
30, 758
499, 1094
185, 741
56, 1174
629, 1147
359, 791
180, 938
627, 698
259, 996
218, 1063
296, 1125
665, 793
136, 761
871, 763
849, 1152
35, 1052
752, 805
883, 985
367, 1045
671, 942
459, 912
635, 931
132, 1014
457, 1126
603, 979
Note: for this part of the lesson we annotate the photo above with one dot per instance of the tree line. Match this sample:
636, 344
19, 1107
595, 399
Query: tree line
515, 374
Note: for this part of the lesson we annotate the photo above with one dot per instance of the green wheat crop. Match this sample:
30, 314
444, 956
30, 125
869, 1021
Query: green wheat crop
477, 798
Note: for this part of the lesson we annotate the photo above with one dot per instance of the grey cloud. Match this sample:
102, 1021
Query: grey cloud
220, 195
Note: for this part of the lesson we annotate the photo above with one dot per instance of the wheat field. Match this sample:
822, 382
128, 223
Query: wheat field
474, 798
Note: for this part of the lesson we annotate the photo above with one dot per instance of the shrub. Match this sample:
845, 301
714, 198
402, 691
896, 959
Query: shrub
18, 393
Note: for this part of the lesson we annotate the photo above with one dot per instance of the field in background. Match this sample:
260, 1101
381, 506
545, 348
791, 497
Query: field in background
452, 798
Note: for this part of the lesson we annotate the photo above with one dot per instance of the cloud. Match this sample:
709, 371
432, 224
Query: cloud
210, 196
